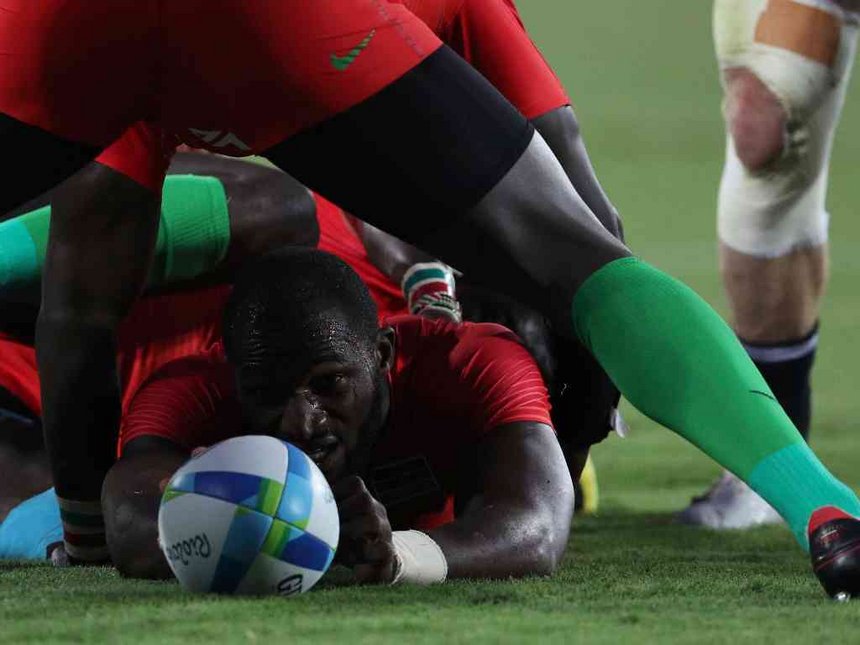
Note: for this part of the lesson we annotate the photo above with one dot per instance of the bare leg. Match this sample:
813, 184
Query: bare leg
772, 299
778, 299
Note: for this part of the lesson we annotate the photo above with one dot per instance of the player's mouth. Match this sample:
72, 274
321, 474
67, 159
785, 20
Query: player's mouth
327, 453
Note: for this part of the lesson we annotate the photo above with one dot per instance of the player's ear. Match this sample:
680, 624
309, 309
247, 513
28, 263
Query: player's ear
385, 348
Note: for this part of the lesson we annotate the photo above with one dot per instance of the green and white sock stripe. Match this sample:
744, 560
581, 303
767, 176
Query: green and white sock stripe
424, 272
83, 529
427, 279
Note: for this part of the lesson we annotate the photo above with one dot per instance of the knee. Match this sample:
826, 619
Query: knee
756, 121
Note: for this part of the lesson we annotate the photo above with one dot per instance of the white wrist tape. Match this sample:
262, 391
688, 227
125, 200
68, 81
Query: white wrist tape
420, 561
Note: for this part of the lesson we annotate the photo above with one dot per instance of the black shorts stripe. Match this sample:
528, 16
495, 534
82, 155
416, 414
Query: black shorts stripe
416, 155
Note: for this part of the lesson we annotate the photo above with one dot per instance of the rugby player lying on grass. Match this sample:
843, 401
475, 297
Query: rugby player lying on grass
442, 421
488, 34
421, 425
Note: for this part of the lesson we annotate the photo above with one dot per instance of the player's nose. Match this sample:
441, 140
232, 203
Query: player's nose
302, 420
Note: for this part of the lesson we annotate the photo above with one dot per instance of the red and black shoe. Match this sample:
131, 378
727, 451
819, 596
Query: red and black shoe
834, 546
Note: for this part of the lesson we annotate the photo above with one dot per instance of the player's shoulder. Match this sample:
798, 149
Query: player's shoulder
479, 374
425, 340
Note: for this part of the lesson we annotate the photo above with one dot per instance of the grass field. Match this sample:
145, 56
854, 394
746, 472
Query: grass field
643, 80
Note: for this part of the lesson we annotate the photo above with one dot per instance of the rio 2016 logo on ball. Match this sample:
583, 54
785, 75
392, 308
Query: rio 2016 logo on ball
251, 515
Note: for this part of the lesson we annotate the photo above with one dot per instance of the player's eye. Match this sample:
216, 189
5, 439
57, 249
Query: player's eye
327, 384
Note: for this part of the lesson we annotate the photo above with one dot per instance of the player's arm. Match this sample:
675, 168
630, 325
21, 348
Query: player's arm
100, 246
560, 129
188, 403
131, 497
518, 522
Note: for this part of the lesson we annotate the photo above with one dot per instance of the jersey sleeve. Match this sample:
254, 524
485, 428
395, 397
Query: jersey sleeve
499, 380
472, 376
189, 402
142, 154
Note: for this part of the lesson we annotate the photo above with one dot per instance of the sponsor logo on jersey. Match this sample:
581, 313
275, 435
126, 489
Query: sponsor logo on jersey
340, 63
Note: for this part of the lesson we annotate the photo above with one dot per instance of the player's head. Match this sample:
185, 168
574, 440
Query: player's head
301, 330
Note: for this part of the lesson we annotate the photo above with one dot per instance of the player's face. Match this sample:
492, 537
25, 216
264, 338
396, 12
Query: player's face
332, 411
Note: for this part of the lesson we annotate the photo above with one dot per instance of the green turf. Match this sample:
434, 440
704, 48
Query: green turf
643, 80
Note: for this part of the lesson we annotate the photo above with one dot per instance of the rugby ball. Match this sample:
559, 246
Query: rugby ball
250, 515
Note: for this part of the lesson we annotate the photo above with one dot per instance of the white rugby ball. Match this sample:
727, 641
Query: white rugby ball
251, 515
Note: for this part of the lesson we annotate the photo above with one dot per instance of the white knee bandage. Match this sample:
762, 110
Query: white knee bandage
771, 213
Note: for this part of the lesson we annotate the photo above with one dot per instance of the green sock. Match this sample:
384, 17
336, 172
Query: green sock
194, 232
675, 359
193, 237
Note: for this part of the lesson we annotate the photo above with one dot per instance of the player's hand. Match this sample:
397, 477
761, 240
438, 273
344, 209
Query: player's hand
365, 533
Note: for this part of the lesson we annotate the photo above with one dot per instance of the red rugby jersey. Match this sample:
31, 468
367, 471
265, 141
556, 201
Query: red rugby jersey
450, 385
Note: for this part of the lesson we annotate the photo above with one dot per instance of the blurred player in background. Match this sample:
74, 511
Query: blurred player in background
785, 67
